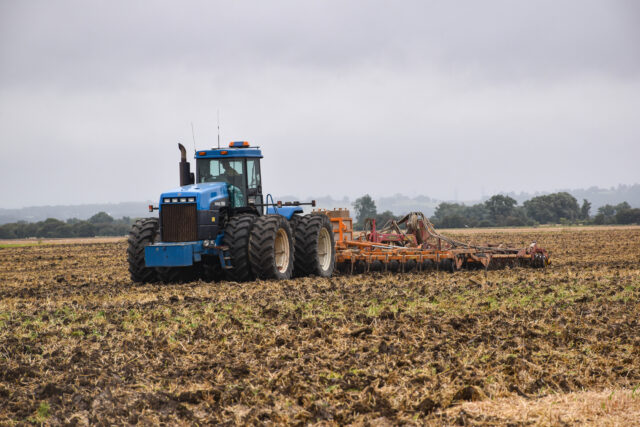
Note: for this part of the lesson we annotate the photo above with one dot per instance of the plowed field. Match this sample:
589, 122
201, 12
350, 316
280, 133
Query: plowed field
81, 344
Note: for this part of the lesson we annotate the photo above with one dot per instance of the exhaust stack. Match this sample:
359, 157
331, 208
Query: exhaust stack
186, 177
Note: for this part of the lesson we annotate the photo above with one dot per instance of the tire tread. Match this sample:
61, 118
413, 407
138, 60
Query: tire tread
237, 234
261, 247
306, 244
143, 232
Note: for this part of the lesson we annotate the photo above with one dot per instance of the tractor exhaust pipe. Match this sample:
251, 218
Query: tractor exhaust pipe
186, 177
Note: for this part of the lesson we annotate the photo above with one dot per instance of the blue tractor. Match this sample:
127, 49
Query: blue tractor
218, 225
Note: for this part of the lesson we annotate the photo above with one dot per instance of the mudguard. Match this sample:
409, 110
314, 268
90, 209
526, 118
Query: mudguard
285, 211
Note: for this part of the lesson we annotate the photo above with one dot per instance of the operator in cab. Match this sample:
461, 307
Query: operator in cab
228, 169
233, 177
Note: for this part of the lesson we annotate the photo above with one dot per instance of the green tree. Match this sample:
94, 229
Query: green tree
500, 207
584, 210
445, 209
628, 216
455, 215
453, 221
52, 227
365, 207
101, 218
83, 229
517, 217
551, 208
607, 210
622, 206
8, 231
383, 218
608, 214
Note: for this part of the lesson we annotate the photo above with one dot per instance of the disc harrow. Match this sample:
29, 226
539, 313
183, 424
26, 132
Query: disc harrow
413, 244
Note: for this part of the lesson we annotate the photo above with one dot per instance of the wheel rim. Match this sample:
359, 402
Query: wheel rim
282, 250
324, 249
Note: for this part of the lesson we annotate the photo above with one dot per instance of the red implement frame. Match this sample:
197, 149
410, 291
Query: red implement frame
418, 247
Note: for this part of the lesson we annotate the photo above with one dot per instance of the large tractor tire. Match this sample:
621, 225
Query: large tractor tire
236, 237
211, 268
143, 233
315, 246
271, 249
295, 223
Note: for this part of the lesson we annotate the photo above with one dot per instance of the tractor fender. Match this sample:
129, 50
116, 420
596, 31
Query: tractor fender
285, 211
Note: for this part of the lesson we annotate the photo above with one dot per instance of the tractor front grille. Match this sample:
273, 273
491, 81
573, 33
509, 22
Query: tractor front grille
179, 222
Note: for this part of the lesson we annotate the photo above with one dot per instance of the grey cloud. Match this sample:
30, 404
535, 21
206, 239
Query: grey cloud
432, 98
97, 43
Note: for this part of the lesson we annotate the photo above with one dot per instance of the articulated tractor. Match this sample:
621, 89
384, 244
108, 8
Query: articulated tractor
219, 225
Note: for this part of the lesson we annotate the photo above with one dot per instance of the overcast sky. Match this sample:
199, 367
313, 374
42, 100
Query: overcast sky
442, 98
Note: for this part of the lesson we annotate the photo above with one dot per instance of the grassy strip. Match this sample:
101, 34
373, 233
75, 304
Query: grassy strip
18, 245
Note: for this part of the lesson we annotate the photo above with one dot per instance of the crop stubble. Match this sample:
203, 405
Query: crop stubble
80, 343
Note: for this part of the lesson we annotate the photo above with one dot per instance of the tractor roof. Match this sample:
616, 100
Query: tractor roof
236, 149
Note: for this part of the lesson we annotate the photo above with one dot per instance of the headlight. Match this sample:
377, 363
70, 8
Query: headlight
166, 200
220, 203
183, 199
174, 200
252, 200
191, 199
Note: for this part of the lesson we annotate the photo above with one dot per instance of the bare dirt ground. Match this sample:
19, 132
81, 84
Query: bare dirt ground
81, 344
542, 228
74, 240
457, 231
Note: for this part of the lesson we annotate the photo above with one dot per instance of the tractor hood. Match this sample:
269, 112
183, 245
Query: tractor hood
204, 194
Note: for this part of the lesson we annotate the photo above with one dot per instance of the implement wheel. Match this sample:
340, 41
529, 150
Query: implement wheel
447, 264
271, 250
143, 233
315, 246
236, 238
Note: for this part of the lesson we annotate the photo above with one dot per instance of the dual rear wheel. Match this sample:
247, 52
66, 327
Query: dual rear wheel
315, 246
279, 249
271, 249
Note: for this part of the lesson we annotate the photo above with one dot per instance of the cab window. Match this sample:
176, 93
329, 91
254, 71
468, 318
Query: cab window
253, 174
230, 171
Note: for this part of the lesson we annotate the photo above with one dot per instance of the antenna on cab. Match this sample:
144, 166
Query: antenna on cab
218, 129
193, 135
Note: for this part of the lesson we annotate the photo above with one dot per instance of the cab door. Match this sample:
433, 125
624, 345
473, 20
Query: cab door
254, 184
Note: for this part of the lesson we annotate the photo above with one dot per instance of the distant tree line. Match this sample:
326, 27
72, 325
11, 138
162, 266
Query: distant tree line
619, 214
498, 211
101, 224
501, 210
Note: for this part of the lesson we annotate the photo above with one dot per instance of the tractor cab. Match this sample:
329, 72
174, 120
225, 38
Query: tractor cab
238, 167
